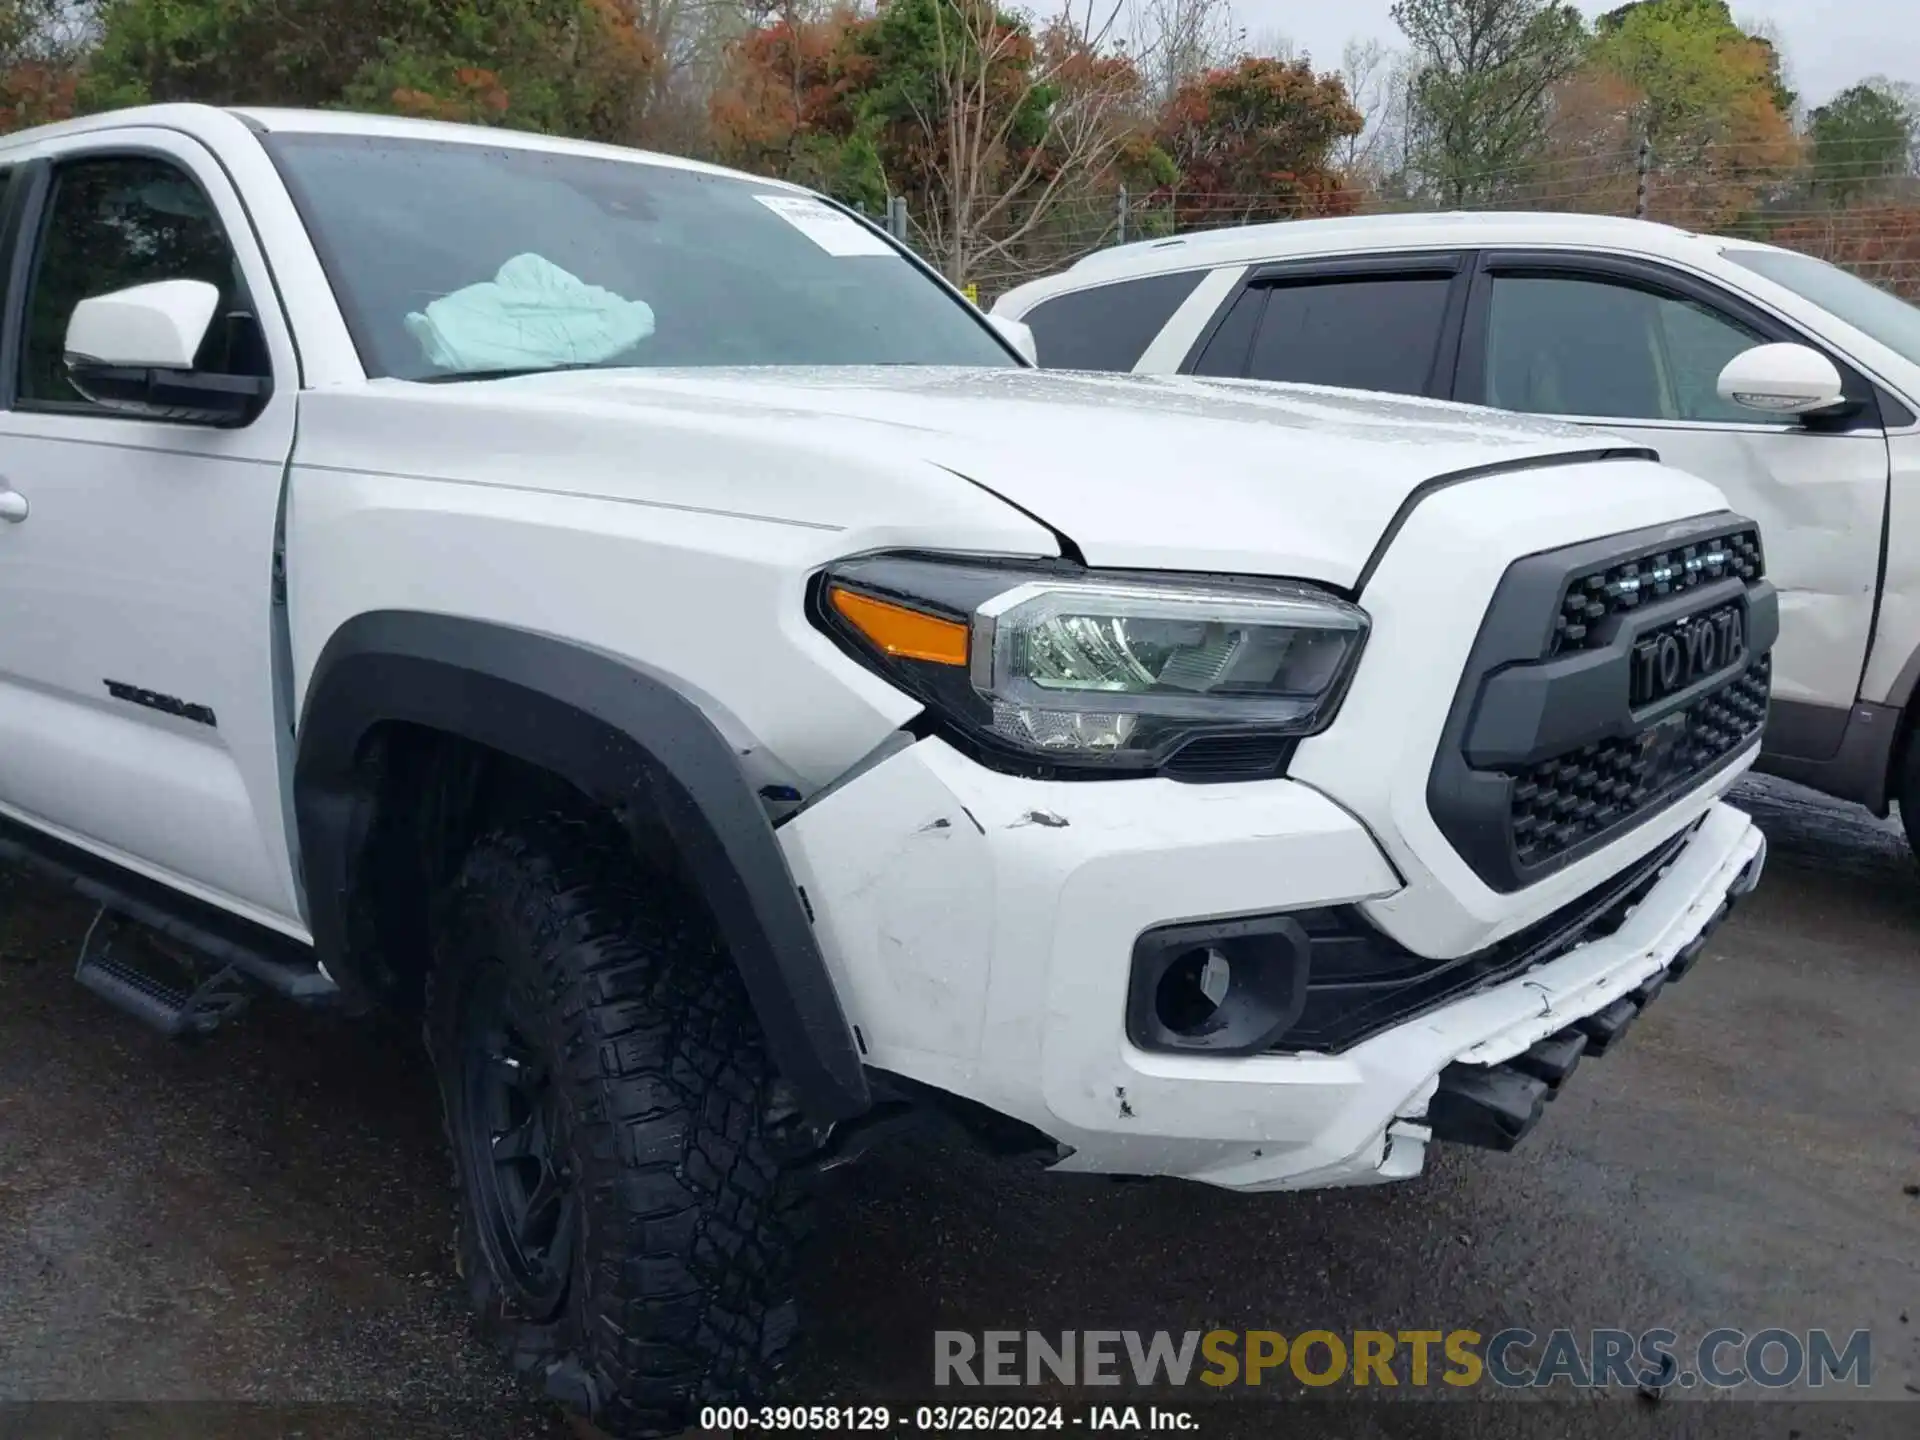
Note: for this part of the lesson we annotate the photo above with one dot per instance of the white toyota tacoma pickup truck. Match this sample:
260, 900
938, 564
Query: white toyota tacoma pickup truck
642, 624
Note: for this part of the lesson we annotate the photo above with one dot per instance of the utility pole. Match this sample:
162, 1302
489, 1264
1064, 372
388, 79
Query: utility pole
1643, 167
1121, 217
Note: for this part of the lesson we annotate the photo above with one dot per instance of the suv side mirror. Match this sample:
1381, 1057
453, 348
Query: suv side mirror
1782, 380
1018, 334
132, 351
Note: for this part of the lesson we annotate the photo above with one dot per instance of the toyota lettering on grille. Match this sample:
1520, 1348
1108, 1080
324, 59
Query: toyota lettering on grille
1675, 656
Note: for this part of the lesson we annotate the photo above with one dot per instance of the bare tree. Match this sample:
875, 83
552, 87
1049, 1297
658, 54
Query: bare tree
1273, 42
693, 36
1018, 128
1174, 40
1377, 81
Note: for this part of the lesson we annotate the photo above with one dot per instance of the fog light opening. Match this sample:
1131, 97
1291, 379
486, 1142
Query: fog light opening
1193, 989
1223, 987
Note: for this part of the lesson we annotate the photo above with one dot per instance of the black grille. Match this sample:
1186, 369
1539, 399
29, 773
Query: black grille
1564, 801
1577, 718
1360, 981
1628, 584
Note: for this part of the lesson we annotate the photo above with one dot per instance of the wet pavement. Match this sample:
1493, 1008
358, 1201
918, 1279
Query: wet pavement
252, 1237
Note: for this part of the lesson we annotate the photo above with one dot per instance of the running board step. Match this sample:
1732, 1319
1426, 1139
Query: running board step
209, 992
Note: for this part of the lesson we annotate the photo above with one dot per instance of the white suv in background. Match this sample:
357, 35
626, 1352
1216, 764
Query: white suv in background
1789, 383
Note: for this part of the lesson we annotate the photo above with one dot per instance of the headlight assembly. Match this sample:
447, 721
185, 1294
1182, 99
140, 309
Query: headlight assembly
1091, 671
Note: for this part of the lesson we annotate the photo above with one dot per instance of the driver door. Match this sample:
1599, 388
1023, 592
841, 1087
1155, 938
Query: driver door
139, 714
1636, 349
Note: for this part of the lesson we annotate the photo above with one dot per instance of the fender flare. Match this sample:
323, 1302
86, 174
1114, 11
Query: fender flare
617, 735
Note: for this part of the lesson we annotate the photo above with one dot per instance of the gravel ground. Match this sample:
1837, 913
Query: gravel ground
251, 1238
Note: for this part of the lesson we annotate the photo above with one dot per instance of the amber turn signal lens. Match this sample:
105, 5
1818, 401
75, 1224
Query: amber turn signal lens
903, 633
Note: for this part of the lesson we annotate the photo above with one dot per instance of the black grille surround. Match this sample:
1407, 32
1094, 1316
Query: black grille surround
1555, 744
1360, 981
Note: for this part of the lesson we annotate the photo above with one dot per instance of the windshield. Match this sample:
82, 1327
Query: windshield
1868, 308
457, 260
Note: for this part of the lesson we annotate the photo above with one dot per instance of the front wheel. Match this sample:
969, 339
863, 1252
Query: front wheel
626, 1233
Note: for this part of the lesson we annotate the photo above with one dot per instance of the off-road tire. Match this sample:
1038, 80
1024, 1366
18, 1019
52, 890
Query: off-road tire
678, 1293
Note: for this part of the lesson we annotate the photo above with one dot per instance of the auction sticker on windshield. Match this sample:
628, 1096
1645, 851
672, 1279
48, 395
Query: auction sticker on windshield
833, 232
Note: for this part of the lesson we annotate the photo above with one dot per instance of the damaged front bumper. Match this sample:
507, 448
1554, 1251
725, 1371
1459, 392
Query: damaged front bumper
980, 927
1494, 1093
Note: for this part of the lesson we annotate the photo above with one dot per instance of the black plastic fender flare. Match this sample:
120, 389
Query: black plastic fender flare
619, 736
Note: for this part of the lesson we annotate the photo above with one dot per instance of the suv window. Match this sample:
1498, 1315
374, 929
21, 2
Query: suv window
1110, 326
129, 220
1557, 345
1224, 352
1372, 334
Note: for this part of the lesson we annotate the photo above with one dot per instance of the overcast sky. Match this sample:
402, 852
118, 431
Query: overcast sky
1828, 45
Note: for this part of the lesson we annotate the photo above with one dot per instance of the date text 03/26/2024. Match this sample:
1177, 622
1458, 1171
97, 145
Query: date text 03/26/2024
975, 1419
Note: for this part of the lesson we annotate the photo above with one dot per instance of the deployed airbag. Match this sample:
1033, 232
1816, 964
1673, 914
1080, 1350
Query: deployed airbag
532, 314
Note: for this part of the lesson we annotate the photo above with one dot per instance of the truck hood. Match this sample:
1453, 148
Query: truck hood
1155, 472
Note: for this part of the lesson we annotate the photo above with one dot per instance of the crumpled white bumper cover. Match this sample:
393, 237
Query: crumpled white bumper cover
980, 927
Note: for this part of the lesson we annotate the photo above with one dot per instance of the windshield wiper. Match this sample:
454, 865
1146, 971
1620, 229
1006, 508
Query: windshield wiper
446, 376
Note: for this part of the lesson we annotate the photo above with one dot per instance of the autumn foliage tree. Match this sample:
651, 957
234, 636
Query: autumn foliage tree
41, 47
787, 104
992, 131
1022, 135
1709, 99
580, 67
1592, 135
1253, 141
571, 67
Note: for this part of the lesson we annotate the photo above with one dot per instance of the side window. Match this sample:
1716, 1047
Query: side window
1358, 335
1372, 334
129, 220
1224, 353
1563, 346
1110, 326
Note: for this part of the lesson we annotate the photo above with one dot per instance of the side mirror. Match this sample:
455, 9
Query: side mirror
1782, 380
1018, 334
132, 351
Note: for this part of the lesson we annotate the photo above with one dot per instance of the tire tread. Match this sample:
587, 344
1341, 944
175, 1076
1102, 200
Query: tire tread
682, 1290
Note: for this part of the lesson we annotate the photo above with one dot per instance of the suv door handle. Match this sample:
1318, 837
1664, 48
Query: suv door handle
13, 505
